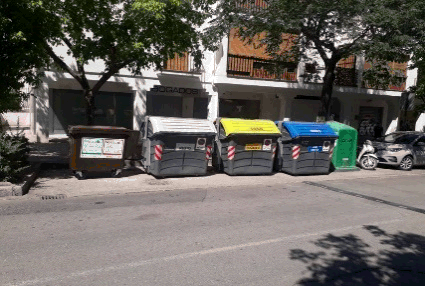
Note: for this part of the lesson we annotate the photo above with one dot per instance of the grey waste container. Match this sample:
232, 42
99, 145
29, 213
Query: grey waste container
97, 148
174, 146
245, 146
305, 148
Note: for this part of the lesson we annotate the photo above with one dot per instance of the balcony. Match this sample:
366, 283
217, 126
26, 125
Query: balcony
250, 6
346, 73
181, 63
393, 68
256, 68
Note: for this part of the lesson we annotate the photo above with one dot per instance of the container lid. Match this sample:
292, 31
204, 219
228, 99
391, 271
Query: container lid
181, 125
97, 129
249, 126
309, 129
337, 126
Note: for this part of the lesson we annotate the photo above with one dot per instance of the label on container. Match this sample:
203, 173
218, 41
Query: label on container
102, 148
253, 146
200, 143
326, 146
314, 148
185, 147
267, 144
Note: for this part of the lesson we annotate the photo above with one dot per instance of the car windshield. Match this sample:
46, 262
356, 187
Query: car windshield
400, 138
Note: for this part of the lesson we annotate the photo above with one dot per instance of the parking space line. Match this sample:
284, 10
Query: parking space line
377, 200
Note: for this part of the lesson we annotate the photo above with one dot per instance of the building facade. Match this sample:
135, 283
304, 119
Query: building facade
234, 81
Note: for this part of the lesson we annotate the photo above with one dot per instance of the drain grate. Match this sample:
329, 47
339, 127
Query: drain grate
56, 197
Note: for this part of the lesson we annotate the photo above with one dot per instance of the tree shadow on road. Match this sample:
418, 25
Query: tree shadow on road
348, 260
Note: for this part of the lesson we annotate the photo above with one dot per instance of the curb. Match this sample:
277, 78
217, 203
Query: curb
9, 189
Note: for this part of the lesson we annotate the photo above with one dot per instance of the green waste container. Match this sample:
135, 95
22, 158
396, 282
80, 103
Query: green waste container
344, 154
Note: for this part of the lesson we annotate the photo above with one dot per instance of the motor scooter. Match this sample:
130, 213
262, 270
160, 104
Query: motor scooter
367, 159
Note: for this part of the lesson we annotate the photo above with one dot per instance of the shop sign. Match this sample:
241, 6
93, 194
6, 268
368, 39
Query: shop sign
180, 90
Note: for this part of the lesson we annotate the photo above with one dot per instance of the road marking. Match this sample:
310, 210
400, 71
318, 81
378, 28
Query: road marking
377, 200
140, 263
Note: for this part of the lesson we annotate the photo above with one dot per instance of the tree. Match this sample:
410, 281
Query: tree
402, 32
24, 28
329, 29
133, 34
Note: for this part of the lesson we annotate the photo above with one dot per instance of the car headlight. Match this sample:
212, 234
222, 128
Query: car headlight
394, 149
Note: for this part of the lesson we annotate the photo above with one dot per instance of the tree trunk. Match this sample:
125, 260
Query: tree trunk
328, 82
90, 108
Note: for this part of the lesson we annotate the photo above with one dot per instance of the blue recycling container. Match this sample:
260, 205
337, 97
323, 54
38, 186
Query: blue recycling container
305, 148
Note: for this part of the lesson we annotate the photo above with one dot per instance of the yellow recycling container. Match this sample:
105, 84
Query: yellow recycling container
245, 146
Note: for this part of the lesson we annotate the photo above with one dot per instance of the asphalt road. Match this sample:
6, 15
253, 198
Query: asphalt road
340, 232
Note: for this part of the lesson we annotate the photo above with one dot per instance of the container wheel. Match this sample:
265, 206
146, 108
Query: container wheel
116, 173
80, 175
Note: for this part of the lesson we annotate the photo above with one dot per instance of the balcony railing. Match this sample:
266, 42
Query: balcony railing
398, 87
346, 73
251, 67
183, 63
251, 6
399, 82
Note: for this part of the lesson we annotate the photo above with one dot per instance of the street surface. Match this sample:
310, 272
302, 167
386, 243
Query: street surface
332, 232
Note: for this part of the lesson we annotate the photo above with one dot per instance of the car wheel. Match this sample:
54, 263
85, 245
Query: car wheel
406, 163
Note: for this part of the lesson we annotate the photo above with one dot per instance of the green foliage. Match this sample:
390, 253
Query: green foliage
13, 156
24, 27
133, 34
402, 32
328, 30
127, 33
380, 75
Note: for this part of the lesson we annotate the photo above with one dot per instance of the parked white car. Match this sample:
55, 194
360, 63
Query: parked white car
404, 149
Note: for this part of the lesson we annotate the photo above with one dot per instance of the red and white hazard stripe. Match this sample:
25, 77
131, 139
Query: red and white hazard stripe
231, 150
274, 152
296, 152
209, 148
158, 152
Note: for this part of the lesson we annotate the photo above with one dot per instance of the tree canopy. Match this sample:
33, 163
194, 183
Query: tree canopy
132, 34
24, 28
327, 29
402, 32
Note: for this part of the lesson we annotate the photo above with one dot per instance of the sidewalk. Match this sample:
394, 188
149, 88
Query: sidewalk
56, 180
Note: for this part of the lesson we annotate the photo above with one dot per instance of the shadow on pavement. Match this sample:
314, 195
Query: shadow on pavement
62, 171
347, 260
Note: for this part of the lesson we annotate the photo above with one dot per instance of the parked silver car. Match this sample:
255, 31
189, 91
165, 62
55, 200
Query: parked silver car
403, 149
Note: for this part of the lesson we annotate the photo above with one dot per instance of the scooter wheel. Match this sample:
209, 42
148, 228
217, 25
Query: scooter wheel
368, 163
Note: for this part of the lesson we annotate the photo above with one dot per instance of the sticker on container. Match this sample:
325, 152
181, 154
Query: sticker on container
267, 145
91, 146
200, 143
113, 147
326, 146
314, 148
102, 148
185, 147
253, 146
